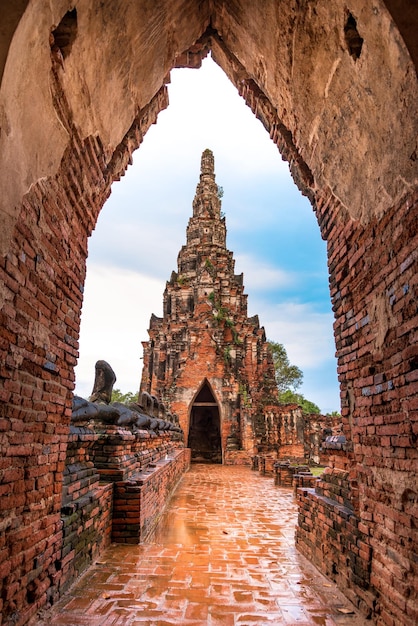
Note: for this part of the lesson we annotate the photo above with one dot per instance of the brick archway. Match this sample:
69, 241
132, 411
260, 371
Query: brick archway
347, 125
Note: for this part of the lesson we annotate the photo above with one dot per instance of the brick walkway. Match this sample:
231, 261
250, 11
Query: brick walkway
223, 555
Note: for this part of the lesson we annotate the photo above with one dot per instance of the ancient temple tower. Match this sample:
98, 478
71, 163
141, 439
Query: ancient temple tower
205, 358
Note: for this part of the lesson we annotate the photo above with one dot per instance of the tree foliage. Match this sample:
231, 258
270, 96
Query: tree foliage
289, 397
124, 398
288, 376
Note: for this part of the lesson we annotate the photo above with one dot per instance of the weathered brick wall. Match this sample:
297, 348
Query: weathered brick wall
372, 263
86, 526
373, 284
43, 274
374, 291
118, 453
332, 536
339, 458
296, 436
42, 278
86, 511
116, 479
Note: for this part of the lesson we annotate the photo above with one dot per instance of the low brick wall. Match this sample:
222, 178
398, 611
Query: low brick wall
303, 480
116, 480
86, 511
263, 464
330, 534
119, 453
284, 473
86, 532
139, 502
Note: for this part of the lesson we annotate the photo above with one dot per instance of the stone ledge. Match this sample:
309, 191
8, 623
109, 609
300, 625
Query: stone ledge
344, 511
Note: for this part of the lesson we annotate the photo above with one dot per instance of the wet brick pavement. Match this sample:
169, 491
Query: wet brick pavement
223, 554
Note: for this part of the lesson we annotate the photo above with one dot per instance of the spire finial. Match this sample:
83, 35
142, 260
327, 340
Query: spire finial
207, 165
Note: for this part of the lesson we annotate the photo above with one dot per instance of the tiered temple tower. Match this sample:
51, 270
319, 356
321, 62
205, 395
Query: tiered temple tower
205, 358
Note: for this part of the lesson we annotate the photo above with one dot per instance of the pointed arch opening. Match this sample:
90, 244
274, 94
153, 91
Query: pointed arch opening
204, 438
242, 196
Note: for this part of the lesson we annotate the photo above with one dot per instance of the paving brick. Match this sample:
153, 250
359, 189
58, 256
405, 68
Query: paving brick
205, 563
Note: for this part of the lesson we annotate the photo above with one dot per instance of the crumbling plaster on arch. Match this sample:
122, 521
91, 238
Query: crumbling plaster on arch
12, 11
119, 60
347, 118
32, 139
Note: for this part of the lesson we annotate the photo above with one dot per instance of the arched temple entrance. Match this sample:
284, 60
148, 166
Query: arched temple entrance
345, 118
205, 427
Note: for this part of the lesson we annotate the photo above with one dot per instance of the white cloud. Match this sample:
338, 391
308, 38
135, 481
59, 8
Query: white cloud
261, 276
150, 248
115, 317
306, 334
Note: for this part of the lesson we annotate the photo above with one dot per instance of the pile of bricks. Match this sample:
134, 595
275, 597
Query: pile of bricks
285, 473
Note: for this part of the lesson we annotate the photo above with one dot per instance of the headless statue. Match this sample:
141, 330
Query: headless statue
103, 383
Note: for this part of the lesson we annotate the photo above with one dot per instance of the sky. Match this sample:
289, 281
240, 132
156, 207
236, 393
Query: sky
271, 229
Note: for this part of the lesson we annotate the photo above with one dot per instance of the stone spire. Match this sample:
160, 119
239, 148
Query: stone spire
206, 358
207, 164
207, 225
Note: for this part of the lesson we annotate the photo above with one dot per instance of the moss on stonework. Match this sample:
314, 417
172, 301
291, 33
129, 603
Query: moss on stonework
183, 281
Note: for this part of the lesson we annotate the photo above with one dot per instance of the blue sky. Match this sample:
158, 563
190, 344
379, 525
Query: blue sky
271, 227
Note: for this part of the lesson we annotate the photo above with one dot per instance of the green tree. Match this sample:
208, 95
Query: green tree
308, 406
124, 398
289, 397
288, 379
287, 376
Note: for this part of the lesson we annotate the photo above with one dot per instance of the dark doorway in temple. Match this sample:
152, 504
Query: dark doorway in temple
204, 430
